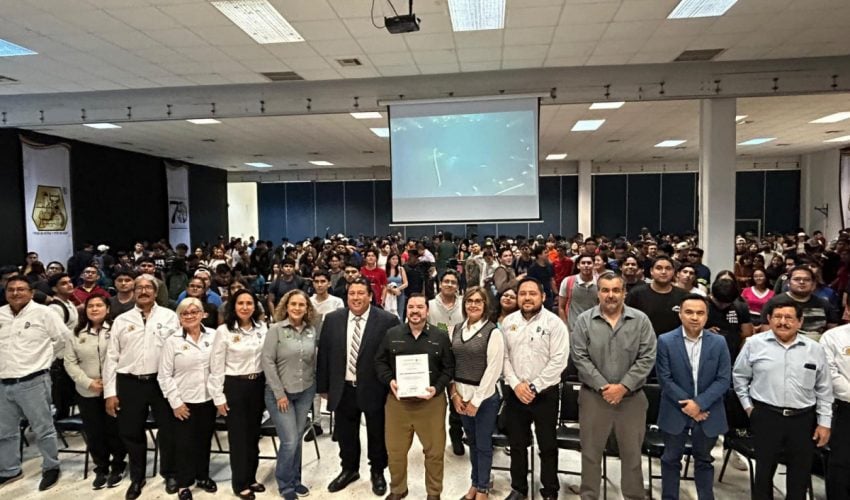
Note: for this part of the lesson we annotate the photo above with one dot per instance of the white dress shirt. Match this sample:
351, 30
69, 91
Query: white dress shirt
836, 343
330, 304
184, 368
495, 361
536, 350
135, 344
234, 353
349, 334
693, 347
29, 340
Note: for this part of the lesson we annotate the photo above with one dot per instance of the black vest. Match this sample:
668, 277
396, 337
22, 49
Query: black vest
471, 356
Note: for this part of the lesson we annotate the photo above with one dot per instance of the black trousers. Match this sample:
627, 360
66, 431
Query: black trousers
194, 439
105, 445
455, 423
347, 433
788, 438
135, 398
543, 412
838, 469
245, 400
62, 390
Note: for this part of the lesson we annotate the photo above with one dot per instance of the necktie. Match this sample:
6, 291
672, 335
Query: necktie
355, 348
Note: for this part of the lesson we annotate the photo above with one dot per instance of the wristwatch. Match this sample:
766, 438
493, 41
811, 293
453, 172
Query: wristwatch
533, 388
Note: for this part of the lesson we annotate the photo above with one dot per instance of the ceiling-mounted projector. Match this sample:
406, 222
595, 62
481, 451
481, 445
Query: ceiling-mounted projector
402, 24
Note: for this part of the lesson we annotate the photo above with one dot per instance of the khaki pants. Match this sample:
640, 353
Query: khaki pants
596, 419
427, 419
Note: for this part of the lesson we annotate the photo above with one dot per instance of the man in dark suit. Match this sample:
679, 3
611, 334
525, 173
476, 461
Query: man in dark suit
346, 377
694, 371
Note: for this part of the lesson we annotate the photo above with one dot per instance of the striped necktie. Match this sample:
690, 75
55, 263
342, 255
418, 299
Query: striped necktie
355, 348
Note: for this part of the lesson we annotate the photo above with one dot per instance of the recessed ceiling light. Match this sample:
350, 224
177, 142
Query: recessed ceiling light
835, 117
321, 163
607, 105
9, 49
757, 141
843, 138
740, 117
472, 15
203, 121
381, 131
701, 8
366, 115
670, 143
258, 164
102, 126
556, 156
259, 19
587, 125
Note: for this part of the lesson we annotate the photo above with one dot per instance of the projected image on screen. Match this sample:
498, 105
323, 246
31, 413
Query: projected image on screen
464, 161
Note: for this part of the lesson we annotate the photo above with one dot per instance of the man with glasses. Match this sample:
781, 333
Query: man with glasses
695, 259
818, 314
212, 297
130, 386
31, 337
146, 265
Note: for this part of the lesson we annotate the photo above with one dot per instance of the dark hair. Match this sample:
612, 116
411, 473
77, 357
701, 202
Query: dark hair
450, 272
585, 255
322, 272
415, 295
124, 272
222, 269
57, 263
698, 251
84, 321
530, 280
182, 246
288, 262
145, 259
802, 267
230, 317
537, 251
54, 280
781, 301
22, 279
362, 280
694, 296
610, 275
371, 250
663, 257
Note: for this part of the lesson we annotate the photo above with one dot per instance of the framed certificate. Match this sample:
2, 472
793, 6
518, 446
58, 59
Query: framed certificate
412, 375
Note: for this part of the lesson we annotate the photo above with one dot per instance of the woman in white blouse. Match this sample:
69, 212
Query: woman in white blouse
84, 357
237, 385
479, 352
184, 369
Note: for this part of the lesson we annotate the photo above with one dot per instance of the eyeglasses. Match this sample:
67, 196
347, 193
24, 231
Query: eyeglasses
475, 302
801, 280
189, 314
17, 290
450, 283
145, 288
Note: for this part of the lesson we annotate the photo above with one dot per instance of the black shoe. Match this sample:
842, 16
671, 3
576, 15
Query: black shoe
207, 485
257, 488
317, 429
185, 494
171, 485
49, 478
458, 448
379, 484
11, 479
114, 479
344, 478
99, 481
245, 496
515, 495
135, 490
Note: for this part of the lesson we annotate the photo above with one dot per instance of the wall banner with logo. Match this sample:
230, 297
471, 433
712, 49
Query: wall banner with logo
844, 183
178, 203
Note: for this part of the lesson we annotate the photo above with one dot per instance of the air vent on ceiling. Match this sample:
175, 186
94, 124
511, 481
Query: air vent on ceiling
349, 62
698, 55
282, 76
367, 152
207, 140
782, 144
833, 131
613, 140
6, 79
293, 164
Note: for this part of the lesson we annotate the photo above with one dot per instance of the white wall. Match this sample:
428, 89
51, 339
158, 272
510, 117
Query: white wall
819, 186
242, 209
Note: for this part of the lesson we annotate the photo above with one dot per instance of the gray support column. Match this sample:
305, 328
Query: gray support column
585, 202
717, 183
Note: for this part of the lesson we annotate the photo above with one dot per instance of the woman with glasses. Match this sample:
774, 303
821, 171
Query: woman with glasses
237, 385
84, 357
184, 370
197, 289
289, 362
479, 353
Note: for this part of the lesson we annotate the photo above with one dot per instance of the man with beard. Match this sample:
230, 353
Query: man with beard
537, 349
613, 368
130, 386
818, 314
423, 415
630, 270
660, 300
350, 273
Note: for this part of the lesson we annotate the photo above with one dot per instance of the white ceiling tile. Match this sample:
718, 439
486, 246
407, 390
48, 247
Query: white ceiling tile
264, 65
358, 72
95, 21
579, 32
381, 45
336, 48
683, 27
434, 57
663, 44
304, 10
319, 74
634, 30
614, 47
357, 8
637, 10
160, 55
532, 17
478, 55
363, 27
207, 79
608, 59
131, 40
571, 50
470, 67
198, 14
392, 59
530, 62
310, 63
203, 54
144, 18
478, 39
528, 36
435, 69
245, 52
331, 29
291, 50
525, 51
598, 12
402, 70
226, 35
177, 38
435, 22
739, 24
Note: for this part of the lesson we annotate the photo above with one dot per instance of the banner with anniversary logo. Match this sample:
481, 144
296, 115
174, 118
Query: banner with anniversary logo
47, 197
178, 203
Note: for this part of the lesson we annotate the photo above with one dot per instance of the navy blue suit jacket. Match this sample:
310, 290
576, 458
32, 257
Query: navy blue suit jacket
675, 376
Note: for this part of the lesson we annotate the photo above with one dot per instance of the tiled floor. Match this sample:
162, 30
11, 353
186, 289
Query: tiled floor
317, 473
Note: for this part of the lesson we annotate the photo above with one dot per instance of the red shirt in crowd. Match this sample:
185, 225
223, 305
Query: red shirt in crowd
378, 278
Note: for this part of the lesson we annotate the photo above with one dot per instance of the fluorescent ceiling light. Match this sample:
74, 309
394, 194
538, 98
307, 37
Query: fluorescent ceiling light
366, 115
740, 117
473, 15
670, 143
843, 138
835, 117
259, 164
701, 8
607, 105
203, 121
102, 126
381, 131
321, 163
757, 141
587, 125
556, 156
259, 19
9, 49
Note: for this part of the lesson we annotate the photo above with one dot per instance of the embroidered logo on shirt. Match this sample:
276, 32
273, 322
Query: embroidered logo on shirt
237, 338
27, 325
847, 351
131, 328
83, 340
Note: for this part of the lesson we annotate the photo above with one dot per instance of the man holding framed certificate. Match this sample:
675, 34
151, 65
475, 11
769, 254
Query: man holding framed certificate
415, 360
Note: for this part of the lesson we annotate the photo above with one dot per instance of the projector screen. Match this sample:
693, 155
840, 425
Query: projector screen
465, 161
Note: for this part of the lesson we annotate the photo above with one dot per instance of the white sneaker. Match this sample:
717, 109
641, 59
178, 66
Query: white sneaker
738, 461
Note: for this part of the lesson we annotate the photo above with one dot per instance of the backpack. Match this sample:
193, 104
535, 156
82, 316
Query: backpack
66, 315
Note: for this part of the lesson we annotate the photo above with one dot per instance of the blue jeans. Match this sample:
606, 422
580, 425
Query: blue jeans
290, 427
30, 400
479, 431
671, 463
